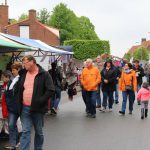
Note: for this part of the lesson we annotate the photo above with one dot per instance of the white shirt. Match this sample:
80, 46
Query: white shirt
14, 82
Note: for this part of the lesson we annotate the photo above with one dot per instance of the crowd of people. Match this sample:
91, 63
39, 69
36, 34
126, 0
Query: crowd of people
29, 92
108, 79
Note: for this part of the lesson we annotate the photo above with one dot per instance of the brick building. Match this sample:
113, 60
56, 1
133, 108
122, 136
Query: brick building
144, 43
29, 28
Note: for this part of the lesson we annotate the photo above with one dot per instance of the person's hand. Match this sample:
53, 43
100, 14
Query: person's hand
106, 81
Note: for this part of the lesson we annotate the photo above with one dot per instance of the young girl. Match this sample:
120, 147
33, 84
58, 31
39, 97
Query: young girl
6, 75
144, 96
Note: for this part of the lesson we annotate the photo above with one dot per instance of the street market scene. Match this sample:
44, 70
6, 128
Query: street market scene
71, 80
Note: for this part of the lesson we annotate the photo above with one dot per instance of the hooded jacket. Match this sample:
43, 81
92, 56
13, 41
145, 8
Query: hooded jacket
90, 78
128, 79
143, 94
109, 75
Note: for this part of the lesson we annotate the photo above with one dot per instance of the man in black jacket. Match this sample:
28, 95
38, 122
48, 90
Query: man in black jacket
57, 79
35, 88
139, 75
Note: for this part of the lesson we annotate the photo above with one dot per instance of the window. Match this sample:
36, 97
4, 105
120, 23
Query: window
24, 31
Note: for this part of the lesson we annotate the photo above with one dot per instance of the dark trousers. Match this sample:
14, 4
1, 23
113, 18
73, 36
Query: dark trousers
108, 95
84, 99
91, 101
125, 95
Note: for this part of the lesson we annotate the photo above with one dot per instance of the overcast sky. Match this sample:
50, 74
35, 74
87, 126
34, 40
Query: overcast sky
122, 22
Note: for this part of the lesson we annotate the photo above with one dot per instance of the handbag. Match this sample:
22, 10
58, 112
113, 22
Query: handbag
129, 87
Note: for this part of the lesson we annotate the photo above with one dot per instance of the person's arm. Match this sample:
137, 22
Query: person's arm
98, 79
134, 82
120, 82
142, 74
49, 88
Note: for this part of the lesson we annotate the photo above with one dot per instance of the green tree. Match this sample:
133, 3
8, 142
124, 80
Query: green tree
44, 16
65, 20
84, 49
71, 27
23, 17
128, 56
13, 21
86, 29
141, 54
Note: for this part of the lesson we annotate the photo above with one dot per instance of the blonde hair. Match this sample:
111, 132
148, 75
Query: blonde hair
89, 60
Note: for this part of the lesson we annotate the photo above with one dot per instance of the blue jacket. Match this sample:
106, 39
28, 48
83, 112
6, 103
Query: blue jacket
12, 98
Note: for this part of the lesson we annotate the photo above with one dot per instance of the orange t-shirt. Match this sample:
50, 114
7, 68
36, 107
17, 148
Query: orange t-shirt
28, 88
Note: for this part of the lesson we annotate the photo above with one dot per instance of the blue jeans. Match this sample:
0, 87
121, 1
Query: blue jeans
91, 101
13, 131
84, 99
116, 94
56, 98
138, 87
108, 95
148, 78
125, 95
98, 100
27, 119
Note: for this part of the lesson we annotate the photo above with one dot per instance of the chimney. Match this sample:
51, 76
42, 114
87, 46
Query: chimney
3, 16
5, 2
32, 14
143, 40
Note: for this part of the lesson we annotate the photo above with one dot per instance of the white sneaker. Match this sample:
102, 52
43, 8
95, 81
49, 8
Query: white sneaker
110, 109
103, 109
100, 109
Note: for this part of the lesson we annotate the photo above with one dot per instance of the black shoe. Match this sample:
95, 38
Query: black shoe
93, 116
88, 114
121, 112
130, 112
146, 113
53, 111
142, 117
98, 106
116, 102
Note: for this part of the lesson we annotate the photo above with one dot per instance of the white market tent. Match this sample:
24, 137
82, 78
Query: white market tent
31, 45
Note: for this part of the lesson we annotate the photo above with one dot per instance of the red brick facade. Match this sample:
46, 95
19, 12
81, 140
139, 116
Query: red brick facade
3, 16
37, 30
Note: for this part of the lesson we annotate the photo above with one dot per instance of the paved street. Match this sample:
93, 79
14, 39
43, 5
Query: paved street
72, 130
